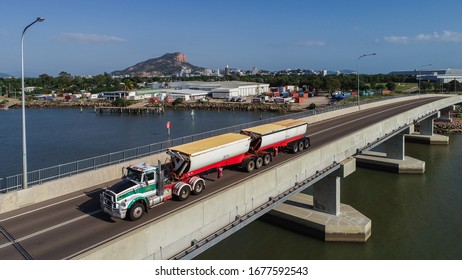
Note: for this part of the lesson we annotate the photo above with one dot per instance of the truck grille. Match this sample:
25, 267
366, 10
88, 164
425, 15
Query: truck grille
107, 199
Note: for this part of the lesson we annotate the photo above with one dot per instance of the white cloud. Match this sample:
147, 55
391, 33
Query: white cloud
311, 43
445, 36
90, 38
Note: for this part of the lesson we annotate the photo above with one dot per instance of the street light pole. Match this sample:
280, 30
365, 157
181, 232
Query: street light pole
420, 68
357, 72
24, 153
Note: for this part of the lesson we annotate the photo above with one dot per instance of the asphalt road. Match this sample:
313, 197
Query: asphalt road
63, 227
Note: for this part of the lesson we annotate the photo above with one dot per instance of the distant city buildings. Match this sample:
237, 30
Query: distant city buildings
230, 71
434, 75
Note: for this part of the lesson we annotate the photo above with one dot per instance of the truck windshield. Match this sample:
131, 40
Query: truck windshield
134, 175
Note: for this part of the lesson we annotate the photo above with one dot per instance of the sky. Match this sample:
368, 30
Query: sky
89, 37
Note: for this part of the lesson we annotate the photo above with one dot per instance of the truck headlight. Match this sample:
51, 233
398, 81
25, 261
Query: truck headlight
115, 205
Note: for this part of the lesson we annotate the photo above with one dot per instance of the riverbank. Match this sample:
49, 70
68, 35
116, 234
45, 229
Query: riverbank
39, 104
454, 127
228, 106
207, 106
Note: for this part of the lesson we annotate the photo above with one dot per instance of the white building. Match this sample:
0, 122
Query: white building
113, 95
224, 90
435, 75
155, 85
187, 94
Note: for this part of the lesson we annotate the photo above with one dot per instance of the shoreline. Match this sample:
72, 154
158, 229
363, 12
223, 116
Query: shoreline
454, 127
227, 106
440, 127
209, 106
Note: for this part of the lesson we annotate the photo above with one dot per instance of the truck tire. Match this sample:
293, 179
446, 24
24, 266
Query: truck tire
258, 162
184, 192
267, 159
294, 147
198, 187
306, 142
249, 165
136, 211
301, 145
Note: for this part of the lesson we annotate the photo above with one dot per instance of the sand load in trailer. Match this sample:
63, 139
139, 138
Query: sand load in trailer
200, 156
277, 134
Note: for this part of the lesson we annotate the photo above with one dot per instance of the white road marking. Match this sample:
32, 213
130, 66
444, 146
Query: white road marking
50, 228
44, 207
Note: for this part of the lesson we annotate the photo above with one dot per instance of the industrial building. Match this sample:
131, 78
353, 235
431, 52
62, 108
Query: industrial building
225, 89
113, 95
434, 75
193, 90
187, 94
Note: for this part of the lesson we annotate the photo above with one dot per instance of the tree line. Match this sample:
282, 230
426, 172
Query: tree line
66, 83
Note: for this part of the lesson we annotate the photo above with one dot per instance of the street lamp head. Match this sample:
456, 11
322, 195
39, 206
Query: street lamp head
368, 54
40, 19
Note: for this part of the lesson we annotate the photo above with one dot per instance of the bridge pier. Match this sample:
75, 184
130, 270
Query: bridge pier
390, 156
326, 195
446, 114
426, 134
322, 215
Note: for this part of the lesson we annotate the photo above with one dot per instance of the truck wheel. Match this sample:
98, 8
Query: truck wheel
306, 143
250, 166
294, 147
136, 211
301, 146
267, 159
184, 193
198, 187
258, 162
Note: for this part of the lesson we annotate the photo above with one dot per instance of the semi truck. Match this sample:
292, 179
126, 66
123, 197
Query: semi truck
145, 185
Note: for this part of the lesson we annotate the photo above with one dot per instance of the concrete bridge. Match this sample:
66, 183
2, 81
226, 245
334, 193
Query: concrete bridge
66, 211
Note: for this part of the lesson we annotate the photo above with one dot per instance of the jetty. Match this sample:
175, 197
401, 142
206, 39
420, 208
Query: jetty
129, 110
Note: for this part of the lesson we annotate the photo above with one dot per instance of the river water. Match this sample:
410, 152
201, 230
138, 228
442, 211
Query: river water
58, 136
413, 216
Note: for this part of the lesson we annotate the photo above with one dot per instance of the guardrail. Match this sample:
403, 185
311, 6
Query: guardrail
40, 176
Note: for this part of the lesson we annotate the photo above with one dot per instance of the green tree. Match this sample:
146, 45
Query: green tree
426, 86
331, 84
120, 102
391, 86
45, 81
379, 86
177, 101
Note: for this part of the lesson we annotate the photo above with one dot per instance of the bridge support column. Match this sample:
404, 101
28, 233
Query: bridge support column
425, 134
446, 114
326, 195
322, 215
394, 147
391, 156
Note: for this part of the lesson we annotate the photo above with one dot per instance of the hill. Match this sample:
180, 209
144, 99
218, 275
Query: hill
167, 65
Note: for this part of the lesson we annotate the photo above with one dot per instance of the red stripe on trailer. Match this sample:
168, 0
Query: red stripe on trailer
229, 161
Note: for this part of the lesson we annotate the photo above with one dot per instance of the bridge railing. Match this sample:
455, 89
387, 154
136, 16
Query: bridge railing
40, 176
